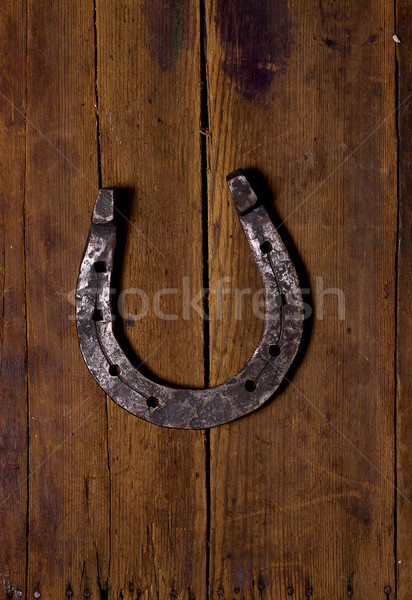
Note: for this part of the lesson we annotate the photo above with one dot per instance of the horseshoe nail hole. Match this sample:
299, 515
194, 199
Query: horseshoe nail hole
114, 370
266, 247
152, 402
250, 385
97, 315
281, 300
100, 266
274, 350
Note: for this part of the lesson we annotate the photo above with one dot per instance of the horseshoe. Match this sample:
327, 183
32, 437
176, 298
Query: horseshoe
178, 407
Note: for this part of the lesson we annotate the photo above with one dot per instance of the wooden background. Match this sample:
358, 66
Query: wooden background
310, 496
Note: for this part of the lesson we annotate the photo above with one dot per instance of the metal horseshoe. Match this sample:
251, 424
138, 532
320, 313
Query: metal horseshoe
191, 408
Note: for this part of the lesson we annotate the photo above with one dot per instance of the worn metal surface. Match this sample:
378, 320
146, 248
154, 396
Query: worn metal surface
191, 408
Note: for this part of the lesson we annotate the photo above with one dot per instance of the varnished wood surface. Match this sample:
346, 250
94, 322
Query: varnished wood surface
13, 380
311, 495
404, 328
149, 107
69, 482
302, 491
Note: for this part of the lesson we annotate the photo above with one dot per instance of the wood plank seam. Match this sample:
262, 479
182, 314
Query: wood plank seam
204, 127
102, 586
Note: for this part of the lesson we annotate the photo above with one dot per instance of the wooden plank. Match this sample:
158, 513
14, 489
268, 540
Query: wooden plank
69, 482
13, 404
149, 107
404, 321
302, 491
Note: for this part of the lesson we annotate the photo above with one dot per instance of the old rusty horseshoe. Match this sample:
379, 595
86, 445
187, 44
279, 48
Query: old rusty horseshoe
191, 408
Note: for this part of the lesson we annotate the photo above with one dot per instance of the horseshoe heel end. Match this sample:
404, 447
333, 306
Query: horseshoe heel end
162, 404
244, 197
103, 211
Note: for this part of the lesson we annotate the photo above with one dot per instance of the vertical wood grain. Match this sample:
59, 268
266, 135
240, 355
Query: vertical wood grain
13, 386
149, 112
404, 323
302, 491
68, 485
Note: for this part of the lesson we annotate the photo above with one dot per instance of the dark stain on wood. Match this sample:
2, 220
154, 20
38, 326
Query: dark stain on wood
372, 38
257, 42
169, 33
329, 43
